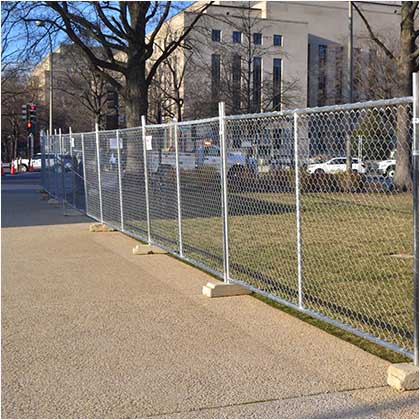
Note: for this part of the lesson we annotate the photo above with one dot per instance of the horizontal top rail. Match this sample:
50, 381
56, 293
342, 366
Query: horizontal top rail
327, 108
285, 113
202, 121
355, 105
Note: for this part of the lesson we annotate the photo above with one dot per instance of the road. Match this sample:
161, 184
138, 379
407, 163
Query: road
91, 331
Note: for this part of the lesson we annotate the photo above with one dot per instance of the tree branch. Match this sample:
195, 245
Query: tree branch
174, 44
372, 35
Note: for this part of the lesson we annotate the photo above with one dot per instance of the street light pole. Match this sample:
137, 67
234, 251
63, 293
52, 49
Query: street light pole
40, 23
51, 83
350, 86
350, 53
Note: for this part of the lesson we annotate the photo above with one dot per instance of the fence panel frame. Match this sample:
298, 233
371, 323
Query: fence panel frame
146, 179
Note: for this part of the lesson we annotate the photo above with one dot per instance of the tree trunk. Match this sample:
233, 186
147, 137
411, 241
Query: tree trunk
406, 66
136, 105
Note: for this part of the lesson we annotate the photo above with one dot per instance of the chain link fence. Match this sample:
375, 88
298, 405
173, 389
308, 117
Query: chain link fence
311, 207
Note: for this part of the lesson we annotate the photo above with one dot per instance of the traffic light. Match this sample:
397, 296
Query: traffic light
32, 112
25, 112
29, 125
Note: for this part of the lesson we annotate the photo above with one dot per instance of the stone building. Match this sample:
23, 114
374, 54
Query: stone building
266, 55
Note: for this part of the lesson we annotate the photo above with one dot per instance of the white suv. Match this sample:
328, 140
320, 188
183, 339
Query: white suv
337, 165
36, 162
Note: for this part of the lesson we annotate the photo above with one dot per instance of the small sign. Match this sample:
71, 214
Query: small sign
246, 144
148, 142
72, 142
113, 143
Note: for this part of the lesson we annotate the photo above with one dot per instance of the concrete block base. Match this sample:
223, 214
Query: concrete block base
99, 227
224, 289
403, 376
53, 201
147, 250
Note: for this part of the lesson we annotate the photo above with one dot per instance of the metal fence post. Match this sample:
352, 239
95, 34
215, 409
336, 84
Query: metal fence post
56, 151
146, 178
178, 189
416, 213
225, 210
84, 173
298, 215
73, 169
47, 159
98, 159
63, 181
120, 179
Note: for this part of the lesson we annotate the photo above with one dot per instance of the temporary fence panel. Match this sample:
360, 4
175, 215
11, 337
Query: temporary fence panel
110, 188
302, 206
262, 204
356, 230
161, 179
200, 188
93, 199
132, 182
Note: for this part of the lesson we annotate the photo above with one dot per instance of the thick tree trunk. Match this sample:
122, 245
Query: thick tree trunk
136, 105
406, 66
136, 101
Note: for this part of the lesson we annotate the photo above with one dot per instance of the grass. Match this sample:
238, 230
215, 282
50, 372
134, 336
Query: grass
349, 245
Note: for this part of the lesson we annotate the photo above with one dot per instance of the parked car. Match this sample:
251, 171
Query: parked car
207, 154
387, 167
37, 162
335, 165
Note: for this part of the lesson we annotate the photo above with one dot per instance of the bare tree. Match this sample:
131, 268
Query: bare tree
406, 62
86, 88
166, 95
15, 92
375, 74
119, 29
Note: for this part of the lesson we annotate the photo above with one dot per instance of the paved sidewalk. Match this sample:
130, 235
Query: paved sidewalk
89, 330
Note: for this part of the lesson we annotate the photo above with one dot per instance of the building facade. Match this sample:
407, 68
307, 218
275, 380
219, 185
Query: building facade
76, 88
266, 55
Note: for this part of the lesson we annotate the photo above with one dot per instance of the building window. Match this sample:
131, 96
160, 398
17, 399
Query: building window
256, 85
236, 82
322, 75
278, 40
215, 80
277, 84
257, 39
216, 35
237, 37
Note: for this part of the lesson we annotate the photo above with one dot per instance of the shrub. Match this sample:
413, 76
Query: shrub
205, 178
339, 182
279, 180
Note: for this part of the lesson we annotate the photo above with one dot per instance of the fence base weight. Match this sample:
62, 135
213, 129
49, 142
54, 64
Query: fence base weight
147, 250
403, 376
53, 201
224, 289
99, 227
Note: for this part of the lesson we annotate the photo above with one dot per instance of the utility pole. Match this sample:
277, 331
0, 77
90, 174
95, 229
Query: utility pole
350, 86
350, 53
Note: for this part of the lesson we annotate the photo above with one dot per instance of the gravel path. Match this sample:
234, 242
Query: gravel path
89, 330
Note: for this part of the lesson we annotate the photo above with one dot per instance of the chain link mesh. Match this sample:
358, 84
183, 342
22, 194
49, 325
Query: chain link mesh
320, 207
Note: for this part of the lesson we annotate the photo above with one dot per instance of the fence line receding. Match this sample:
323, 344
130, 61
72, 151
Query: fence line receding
268, 201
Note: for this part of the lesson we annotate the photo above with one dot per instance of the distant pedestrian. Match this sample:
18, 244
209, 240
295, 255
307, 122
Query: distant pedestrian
112, 161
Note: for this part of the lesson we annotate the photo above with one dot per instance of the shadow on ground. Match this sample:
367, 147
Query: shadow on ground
22, 204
